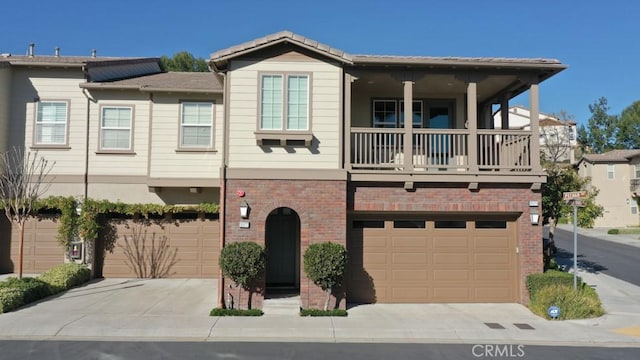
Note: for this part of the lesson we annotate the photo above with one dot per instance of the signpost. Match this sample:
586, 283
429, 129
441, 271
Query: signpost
575, 199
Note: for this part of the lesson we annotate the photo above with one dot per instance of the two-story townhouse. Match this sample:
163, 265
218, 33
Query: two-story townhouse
558, 138
310, 144
442, 208
616, 175
117, 129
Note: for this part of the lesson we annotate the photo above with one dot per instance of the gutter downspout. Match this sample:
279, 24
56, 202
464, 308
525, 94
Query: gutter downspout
223, 183
86, 144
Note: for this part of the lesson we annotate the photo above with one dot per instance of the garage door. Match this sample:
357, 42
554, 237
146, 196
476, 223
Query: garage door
41, 248
432, 261
192, 248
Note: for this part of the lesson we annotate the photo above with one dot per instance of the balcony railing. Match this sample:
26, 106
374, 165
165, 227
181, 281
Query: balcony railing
440, 150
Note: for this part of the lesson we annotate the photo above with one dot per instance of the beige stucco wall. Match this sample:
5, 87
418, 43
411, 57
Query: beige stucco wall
614, 194
5, 106
29, 85
325, 115
120, 164
165, 161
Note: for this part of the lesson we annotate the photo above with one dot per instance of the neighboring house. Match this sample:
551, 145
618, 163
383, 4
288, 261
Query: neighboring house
314, 141
616, 174
558, 139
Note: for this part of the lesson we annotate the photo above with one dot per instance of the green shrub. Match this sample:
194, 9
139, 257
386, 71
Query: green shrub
581, 303
317, 312
235, 312
535, 282
242, 262
65, 276
324, 264
32, 288
613, 231
553, 265
10, 298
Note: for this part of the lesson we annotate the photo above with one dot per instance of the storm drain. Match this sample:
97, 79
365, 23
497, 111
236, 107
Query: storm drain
494, 326
522, 326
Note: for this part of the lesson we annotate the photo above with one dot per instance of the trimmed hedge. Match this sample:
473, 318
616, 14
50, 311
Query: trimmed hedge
613, 231
65, 276
317, 312
235, 312
15, 292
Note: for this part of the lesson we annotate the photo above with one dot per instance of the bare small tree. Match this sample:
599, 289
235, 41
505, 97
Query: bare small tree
556, 138
22, 182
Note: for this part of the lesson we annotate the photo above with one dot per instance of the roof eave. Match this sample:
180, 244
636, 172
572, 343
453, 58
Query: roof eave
46, 64
179, 90
94, 86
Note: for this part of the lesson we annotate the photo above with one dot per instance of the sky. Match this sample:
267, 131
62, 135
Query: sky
598, 40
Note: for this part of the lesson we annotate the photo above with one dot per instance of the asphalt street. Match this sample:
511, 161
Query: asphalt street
618, 260
76, 350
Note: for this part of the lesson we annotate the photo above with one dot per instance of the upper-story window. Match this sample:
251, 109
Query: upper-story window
116, 128
637, 171
284, 102
196, 125
611, 171
51, 123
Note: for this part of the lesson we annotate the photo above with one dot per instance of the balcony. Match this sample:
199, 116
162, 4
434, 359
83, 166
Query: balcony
442, 151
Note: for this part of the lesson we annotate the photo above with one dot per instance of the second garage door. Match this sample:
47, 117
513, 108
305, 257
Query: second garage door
432, 261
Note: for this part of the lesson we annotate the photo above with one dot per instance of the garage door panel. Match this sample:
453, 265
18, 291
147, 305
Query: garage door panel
416, 265
451, 275
409, 259
493, 259
409, 275
450, 242
443, 259
492, 242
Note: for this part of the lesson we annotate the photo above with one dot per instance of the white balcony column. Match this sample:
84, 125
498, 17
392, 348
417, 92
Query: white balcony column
534, 99
408, 125
472, 124
348, 79
504, 113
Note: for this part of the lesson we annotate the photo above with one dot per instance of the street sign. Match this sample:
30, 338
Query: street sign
577, 202
570, 195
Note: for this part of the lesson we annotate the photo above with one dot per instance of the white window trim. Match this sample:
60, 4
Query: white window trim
128, 150
181, 145
37, 123
611, 169
285, 101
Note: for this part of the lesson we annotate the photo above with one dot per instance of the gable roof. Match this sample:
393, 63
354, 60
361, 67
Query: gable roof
193, 82
222, 56
219, 59
611, 156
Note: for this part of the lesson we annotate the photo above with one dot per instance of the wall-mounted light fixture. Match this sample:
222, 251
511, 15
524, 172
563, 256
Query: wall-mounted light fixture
533, 212
79, 208
244, 209
535, 217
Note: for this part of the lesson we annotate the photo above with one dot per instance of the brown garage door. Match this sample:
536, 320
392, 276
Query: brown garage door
418, 261
195, 242
41, 249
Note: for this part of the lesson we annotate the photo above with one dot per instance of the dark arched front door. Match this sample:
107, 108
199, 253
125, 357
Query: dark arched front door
283, 249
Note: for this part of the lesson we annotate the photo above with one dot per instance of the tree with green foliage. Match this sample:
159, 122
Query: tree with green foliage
325, 264
242, 262
184, 61
560, 180
629, 127
23, 180
602, 131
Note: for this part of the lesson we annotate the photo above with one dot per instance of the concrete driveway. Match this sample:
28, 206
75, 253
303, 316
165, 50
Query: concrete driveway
120, 307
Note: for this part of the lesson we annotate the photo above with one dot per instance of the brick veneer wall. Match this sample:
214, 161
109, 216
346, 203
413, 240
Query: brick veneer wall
321, 206
444, 198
